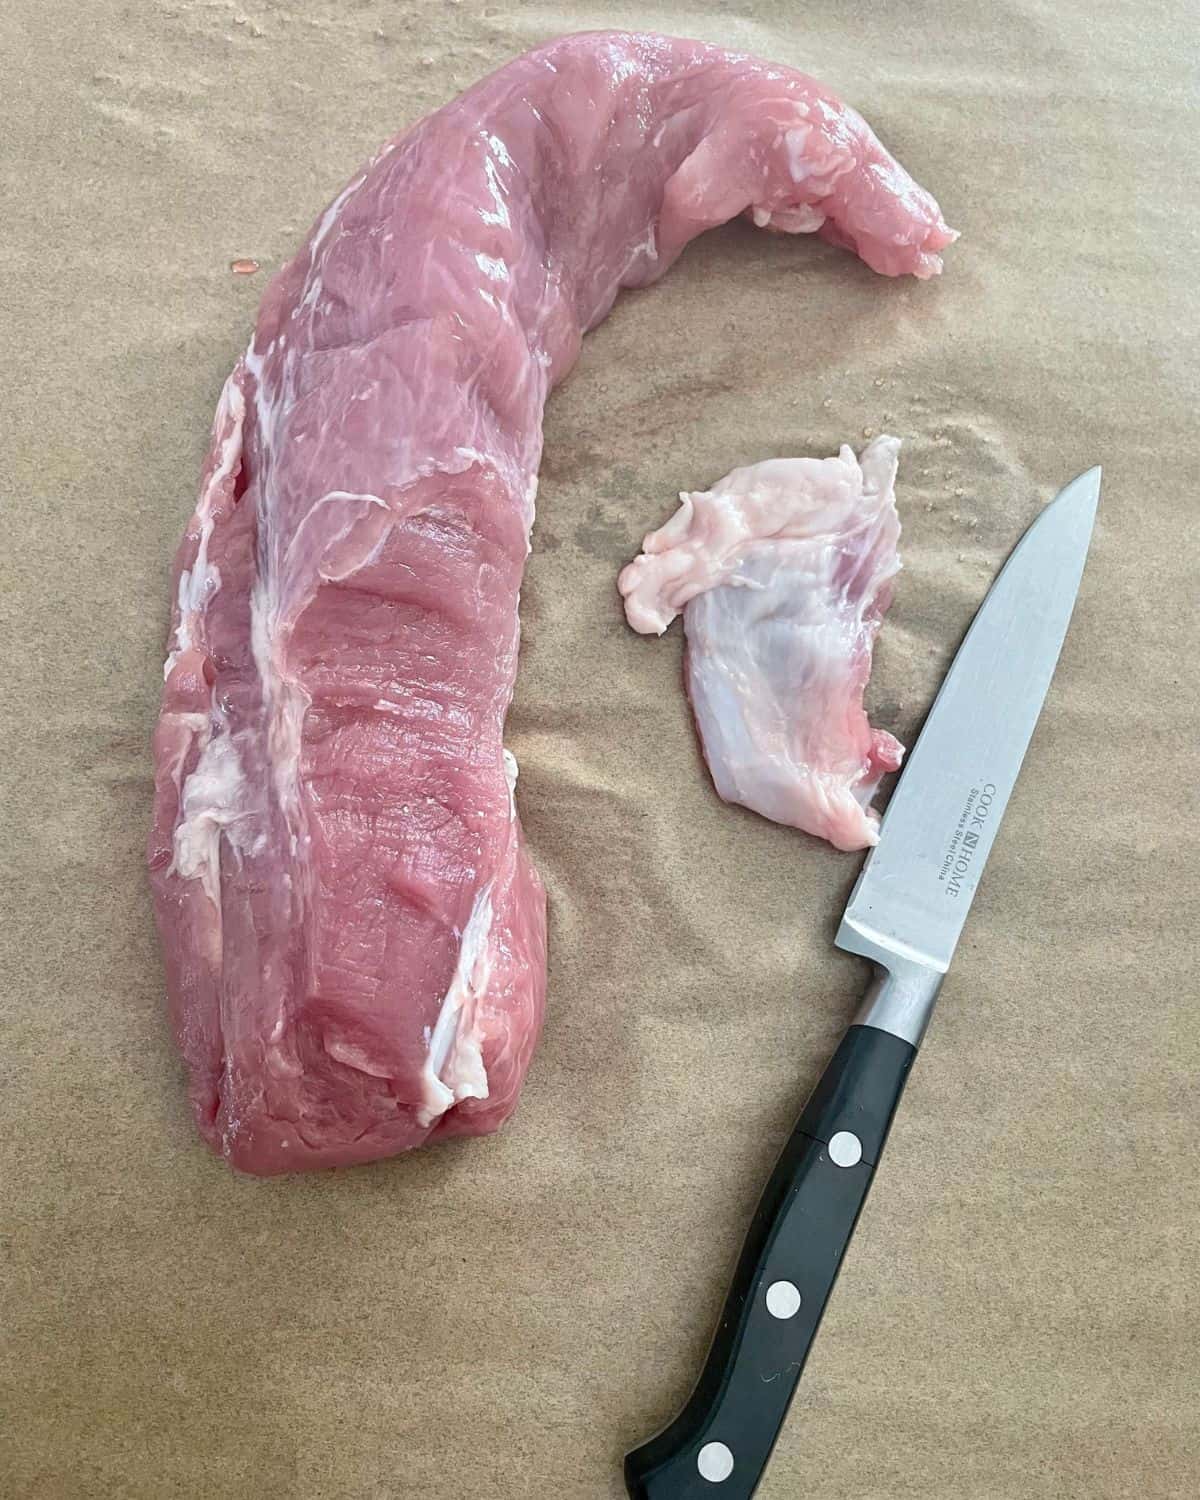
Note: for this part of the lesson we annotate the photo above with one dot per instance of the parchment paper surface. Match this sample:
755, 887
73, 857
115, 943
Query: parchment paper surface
1018, 1317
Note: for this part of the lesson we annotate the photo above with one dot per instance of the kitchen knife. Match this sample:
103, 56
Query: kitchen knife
905, 915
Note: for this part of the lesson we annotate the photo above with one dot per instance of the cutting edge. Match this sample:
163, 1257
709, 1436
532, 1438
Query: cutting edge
902, 997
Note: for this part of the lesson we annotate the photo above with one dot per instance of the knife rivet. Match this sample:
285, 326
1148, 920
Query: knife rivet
845, 1149
783, 1299
715, 1462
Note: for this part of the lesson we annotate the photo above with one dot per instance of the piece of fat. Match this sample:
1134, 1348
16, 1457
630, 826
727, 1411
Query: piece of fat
453, 1068
783, 571
213, 802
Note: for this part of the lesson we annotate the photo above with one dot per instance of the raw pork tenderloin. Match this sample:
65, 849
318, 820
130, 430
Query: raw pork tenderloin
354, 933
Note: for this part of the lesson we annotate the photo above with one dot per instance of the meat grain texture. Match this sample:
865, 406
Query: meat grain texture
353, 930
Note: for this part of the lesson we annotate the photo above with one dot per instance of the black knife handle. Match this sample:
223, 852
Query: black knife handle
718, 1445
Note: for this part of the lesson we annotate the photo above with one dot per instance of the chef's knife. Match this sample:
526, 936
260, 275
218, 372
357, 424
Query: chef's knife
905, 914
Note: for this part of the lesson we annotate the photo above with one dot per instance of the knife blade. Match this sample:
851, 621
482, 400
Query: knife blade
905, 915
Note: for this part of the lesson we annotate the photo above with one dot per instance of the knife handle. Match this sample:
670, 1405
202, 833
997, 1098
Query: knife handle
718, 1446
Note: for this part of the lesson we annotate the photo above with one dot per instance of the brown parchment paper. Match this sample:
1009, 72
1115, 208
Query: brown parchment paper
1018, 1317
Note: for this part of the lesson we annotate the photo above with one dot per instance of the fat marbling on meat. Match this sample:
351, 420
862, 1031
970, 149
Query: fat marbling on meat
783, 571
353, 930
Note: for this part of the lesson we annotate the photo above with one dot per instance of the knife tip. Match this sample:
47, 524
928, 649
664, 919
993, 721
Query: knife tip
1081, 496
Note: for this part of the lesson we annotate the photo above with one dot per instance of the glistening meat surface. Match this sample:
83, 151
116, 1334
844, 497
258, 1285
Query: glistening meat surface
354, 933
783, 572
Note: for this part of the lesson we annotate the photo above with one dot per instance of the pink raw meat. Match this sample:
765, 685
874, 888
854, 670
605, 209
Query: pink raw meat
354, 933
783, 572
